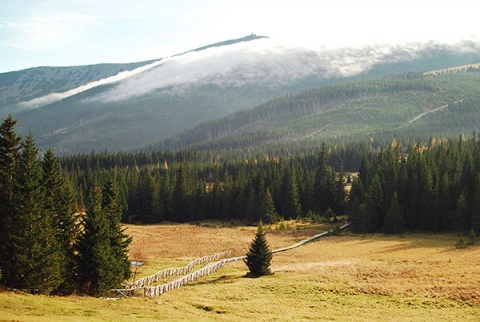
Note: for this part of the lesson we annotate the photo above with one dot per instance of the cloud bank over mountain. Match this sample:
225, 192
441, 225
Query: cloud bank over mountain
256, 61
72, 33
250, 62
124, 106
53, 97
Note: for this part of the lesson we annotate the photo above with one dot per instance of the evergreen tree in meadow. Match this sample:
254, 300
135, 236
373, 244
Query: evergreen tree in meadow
259, 255
59, 203
97, 271
119, 240
9, 153
35, 251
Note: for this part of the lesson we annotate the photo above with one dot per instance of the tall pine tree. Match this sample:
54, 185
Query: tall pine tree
119, 240
322, 194
267, 208
393, 223
95, 259
9, 153
35, 252
59, 203
289, 195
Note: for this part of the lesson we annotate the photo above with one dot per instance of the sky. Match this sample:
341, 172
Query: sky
81, 32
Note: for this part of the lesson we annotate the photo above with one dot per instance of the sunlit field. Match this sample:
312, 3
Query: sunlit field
413, 277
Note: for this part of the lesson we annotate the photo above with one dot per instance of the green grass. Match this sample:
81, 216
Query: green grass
415, 277
281, 297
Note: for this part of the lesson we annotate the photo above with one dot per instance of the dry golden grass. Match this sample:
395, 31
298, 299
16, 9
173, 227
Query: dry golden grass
343, 278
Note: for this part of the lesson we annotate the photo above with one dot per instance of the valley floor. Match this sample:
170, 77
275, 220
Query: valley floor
413, 277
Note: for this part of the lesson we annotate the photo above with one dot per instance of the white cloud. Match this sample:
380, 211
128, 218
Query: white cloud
53, 97
77, 32
254, 62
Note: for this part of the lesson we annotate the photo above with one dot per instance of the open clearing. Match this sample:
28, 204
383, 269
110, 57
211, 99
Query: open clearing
420, 277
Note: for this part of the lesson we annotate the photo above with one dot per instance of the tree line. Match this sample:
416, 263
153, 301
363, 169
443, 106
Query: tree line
191, 185
45, 246
434, 188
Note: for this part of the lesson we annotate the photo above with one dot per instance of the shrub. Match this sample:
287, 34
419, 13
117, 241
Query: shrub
471, 238
461, 243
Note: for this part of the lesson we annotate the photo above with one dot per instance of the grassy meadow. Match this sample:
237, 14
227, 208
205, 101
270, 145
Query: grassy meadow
413, 277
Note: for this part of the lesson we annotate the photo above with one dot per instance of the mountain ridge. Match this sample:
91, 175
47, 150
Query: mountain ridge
55, 82
163, 98
226, 43
35, 82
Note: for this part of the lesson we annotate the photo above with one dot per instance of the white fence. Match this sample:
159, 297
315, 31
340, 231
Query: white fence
169, 272
152, 291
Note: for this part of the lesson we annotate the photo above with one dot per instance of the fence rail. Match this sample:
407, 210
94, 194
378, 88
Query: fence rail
169, 272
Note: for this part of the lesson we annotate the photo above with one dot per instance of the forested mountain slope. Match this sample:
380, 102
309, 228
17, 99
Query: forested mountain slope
151, 101
416, 106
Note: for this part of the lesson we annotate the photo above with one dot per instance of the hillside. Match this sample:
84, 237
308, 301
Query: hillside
19, 87
413, 106
130, 107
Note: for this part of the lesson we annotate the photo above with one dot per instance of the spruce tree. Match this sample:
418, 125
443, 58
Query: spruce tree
322, 194
374, 205
289, 195
267, 208
339, 194
476, 207
249, 203
320, 184
35, 254
180, 196
393, 223
259, 255
9, 153
59, 203
144, 205
95, 259
119, 240
227, 201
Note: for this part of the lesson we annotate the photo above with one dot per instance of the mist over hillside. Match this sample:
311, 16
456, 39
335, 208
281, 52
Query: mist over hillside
131, 106
25, 89
414, 107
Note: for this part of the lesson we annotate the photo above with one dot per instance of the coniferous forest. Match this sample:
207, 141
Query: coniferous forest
46, 246
60, 223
